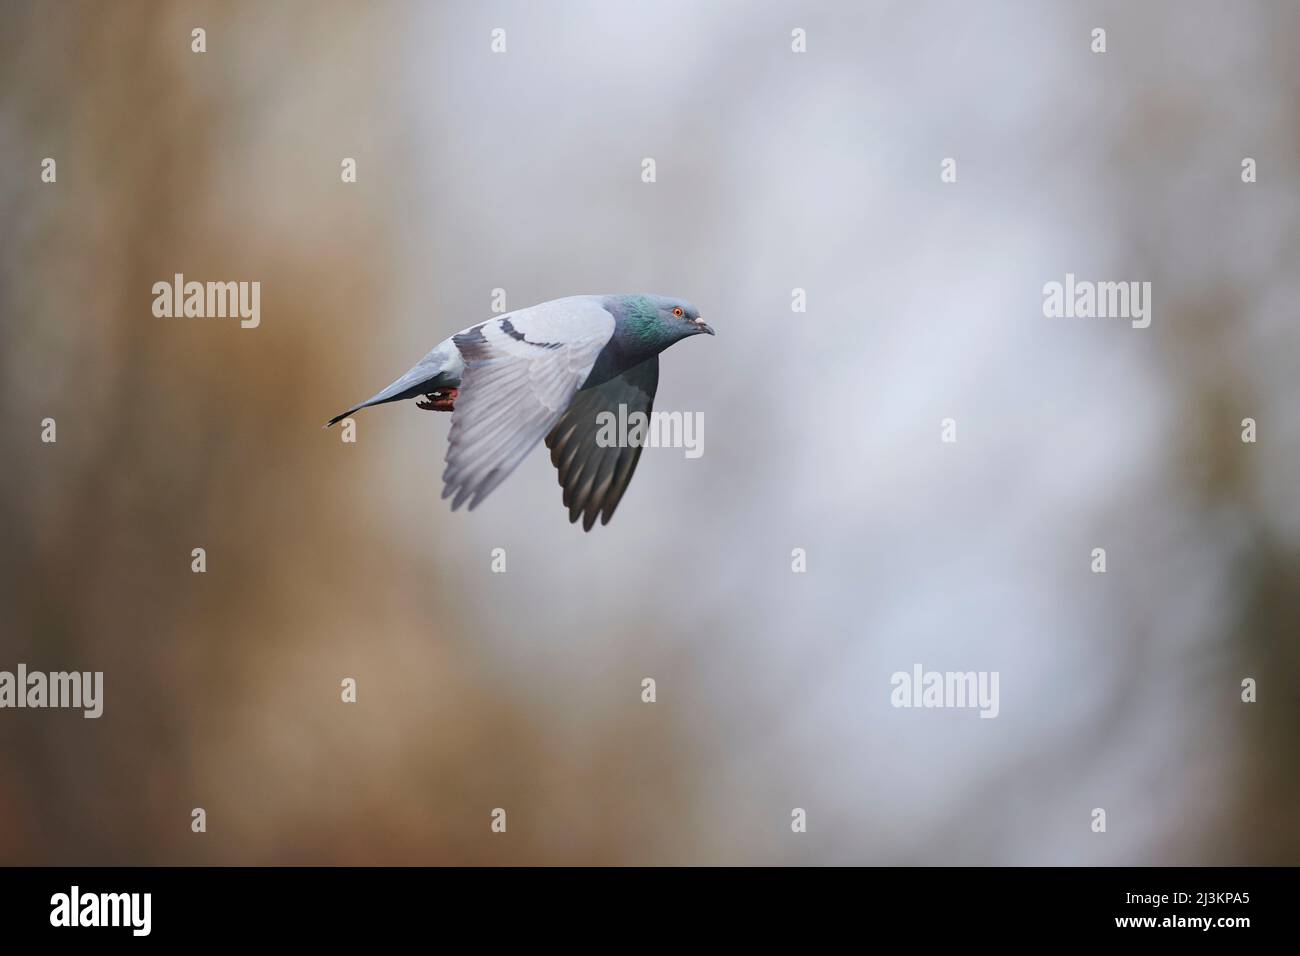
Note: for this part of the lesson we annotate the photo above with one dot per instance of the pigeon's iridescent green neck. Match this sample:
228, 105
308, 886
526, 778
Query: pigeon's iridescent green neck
641, 328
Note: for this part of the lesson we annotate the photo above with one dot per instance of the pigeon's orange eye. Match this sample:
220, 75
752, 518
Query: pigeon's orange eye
678, 313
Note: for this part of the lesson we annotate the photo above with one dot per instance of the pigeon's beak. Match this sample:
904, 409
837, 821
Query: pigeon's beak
699, 324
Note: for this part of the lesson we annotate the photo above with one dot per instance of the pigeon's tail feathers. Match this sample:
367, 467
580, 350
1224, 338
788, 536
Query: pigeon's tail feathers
342, 415
441, 368
379, 399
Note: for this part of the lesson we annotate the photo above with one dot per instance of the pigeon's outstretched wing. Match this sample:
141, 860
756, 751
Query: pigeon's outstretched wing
521, 371
594, 477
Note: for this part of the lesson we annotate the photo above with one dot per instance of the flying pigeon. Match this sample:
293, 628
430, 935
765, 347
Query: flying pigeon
546, 371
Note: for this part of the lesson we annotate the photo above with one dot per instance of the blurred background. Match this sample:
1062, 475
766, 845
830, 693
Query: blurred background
522, 690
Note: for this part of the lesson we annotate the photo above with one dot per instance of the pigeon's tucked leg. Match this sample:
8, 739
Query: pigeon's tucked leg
440, 400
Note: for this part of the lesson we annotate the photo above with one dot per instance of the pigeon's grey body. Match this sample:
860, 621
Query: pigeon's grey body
547, 372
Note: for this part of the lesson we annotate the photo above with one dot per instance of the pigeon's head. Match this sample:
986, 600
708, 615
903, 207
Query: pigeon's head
686, 317
648, 324
677, 317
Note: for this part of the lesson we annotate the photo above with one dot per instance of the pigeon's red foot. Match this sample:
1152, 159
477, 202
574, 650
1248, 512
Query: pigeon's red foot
440, 400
